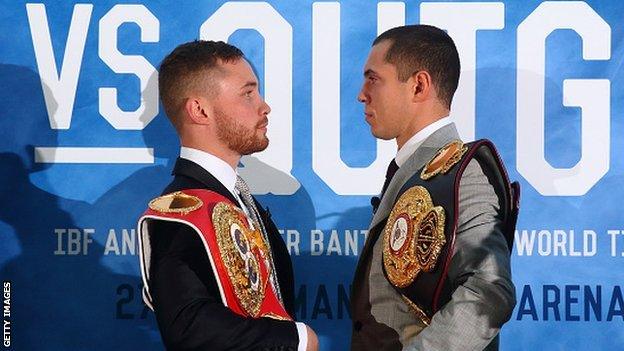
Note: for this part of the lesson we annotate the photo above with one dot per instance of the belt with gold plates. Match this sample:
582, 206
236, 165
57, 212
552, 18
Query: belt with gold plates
239, 256
419, 236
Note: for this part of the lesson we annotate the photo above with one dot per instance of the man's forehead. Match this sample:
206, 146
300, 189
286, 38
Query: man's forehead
239, 70
381, 48
238, 66
377, 57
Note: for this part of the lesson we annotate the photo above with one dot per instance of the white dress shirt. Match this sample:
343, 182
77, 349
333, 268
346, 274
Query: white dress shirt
227, 175
417, 139
221, 170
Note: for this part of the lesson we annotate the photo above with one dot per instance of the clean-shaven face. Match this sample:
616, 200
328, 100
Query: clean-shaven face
385, 98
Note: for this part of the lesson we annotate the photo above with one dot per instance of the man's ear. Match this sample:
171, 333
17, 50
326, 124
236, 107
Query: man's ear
421, 86
197, 109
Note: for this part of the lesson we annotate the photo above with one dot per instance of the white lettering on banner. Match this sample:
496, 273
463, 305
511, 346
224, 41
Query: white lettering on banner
93, 155
59, 90
462, 21
349, 242
293, 240
59, 242
556, 243
390, 15
73, 241
316, 242
320, 244
134, 64
326, 161
592, 95
270, 171
128, 242
277, 34
615, 234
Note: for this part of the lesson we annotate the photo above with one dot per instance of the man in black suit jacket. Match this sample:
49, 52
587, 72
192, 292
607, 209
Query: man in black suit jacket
210, 95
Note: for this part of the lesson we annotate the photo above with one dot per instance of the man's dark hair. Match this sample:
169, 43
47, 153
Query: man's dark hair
421, 47
184, 67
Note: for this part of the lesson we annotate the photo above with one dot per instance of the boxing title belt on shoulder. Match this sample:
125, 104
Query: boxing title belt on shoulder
419, 236
239, 256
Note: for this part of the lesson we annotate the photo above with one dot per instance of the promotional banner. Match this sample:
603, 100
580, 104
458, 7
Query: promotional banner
85, 144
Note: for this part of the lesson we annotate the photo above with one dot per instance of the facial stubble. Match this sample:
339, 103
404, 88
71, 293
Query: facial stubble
239, 138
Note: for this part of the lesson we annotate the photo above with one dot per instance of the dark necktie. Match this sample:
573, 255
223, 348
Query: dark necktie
247, 199
392, 169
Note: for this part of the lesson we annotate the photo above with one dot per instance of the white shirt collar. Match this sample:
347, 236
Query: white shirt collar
417, 139
220, 169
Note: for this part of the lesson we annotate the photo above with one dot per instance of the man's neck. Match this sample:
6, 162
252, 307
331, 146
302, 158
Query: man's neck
228, 156
212, 164
419, 124
413, 143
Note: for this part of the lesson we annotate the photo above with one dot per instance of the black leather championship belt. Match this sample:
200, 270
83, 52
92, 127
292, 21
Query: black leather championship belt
419, 236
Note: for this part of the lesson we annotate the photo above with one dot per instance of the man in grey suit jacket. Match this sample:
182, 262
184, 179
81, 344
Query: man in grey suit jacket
453, 290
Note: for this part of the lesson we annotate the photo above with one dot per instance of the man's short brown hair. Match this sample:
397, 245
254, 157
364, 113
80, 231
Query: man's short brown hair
421, 47
184, 68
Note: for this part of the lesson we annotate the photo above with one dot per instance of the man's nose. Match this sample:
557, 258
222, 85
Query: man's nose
361, 97
266, 109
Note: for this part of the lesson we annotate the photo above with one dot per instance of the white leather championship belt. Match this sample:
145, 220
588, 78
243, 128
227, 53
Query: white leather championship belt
240, 257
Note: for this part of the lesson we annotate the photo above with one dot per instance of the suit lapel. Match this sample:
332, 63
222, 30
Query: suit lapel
281, 258
414, 162
417, 160
190, 169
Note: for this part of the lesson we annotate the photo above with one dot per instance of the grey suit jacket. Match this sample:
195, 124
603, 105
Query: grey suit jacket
480, 269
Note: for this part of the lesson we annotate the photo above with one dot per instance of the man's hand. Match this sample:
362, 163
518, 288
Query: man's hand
312, 340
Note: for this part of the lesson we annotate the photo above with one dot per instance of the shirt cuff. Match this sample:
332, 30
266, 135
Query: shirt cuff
303, 336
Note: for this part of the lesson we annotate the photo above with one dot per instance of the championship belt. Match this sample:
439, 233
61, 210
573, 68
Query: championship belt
239, 256
419, 235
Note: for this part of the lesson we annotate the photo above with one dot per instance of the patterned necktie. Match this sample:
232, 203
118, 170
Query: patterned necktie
248, 201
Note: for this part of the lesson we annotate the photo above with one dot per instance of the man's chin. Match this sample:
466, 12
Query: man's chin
383, 137
259, 146
379, 135
264, 145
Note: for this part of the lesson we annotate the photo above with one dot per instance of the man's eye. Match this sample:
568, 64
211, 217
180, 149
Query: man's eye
372, 79
248, 93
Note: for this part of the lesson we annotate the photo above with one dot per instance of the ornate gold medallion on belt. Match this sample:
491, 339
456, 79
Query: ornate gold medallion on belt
177, 202
413, 237
237, 245
444, 159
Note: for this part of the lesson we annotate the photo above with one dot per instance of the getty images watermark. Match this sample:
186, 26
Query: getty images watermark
6, 313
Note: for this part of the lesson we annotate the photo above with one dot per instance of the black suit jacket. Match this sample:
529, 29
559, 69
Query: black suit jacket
186, 297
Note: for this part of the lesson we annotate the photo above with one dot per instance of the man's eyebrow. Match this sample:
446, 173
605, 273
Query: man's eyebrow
368, 72
249, 84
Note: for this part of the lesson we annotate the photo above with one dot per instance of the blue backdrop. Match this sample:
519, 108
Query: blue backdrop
84, 146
